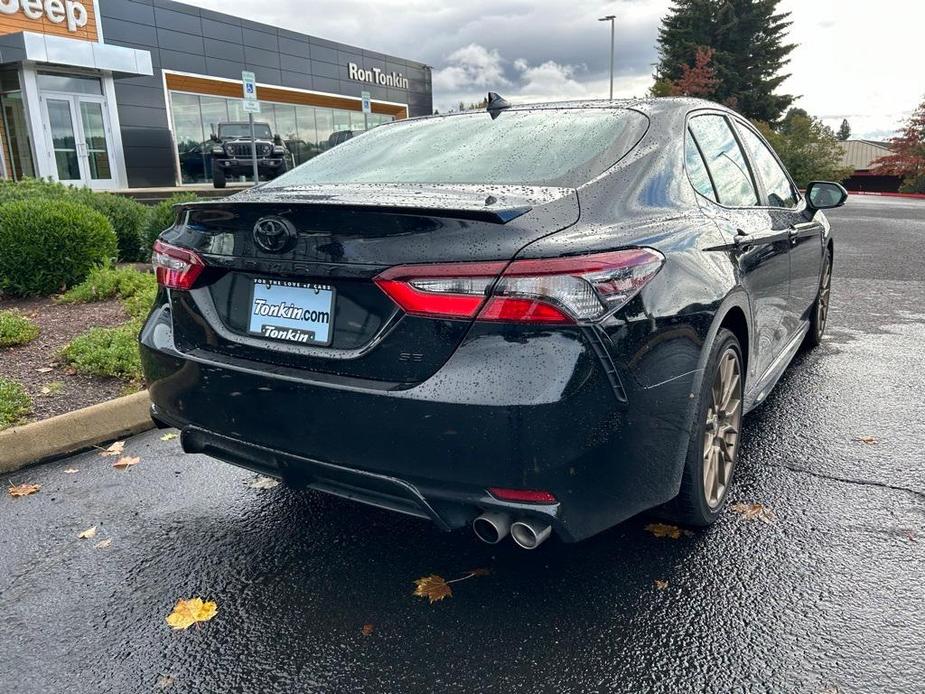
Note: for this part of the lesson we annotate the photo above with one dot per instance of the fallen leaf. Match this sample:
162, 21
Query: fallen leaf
88, 534
114, 450
866, 439
661, 585
71, 471
169, 436
103, 544
126, 462
754, 511
263, 483
188, 612
44, 370
664, 530
164, 681
367, 629
23, 489
910, 536
433, 588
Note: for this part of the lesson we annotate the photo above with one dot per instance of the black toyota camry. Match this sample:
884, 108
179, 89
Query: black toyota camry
532, 320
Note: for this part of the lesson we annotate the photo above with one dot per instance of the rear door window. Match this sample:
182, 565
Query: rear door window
776, 182
725, 161
697, 170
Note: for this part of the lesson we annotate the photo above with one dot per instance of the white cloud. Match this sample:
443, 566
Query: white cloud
470, 66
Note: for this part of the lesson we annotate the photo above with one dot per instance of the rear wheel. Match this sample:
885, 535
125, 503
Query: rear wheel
218, 176
819, 315
714, 445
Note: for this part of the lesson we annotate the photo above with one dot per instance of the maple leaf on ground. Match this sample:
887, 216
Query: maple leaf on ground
71, 471
263, 483
869, 440
169, 436
88, 534
433, 588
367, 629
126, 462
187, 612
114, 450
23, 489
103, 544
664, 530
164, 682
661, 585
754, 511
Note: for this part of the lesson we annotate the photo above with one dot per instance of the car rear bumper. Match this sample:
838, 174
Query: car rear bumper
543, 412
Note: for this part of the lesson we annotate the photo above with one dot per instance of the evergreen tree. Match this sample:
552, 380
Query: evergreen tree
844, 132
747, 37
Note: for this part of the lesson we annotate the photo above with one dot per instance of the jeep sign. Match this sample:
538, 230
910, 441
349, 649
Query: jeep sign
377, 76
57, 11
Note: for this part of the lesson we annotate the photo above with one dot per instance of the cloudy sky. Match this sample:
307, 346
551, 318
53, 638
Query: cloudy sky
856, 59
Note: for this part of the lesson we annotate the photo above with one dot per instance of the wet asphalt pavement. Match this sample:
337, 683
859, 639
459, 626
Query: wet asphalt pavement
830, 598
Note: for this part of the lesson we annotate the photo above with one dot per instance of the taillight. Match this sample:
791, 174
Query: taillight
175, 268
554, 290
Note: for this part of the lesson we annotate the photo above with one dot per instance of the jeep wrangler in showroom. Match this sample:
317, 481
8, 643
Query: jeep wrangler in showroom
231, 152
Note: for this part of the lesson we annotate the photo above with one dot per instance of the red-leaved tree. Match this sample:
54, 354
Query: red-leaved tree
699, 80
908, 154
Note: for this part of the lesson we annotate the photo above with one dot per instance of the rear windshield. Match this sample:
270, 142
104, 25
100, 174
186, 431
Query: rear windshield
554, 147
233, 131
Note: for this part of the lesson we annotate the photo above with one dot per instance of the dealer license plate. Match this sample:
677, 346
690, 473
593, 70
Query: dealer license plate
292, 311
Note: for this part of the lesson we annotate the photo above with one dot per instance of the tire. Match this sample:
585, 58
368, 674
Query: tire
693, 506
218, 176
819, 314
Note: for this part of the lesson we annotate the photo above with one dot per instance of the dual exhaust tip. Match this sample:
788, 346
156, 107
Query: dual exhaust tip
492, 527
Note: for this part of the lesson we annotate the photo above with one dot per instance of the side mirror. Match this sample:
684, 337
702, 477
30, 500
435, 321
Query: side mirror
214, 137
825, 195
277, 140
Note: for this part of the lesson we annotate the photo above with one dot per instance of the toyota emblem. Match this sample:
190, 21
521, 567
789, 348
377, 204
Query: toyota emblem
274, 234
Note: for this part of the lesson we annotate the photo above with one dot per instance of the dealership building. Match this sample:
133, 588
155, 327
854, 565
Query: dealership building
117, 94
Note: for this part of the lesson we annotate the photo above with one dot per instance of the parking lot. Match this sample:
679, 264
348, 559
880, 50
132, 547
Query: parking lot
315, 593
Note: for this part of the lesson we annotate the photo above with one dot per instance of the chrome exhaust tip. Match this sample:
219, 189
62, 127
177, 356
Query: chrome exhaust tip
492, 527
530, 534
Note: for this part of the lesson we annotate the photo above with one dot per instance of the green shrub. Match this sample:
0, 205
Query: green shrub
106, 352
48, 245
162, 216
139, 304
129, 219
15, 403
108, 282
16, 329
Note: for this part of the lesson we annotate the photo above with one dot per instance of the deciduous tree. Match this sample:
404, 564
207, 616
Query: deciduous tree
908, 155
807, 147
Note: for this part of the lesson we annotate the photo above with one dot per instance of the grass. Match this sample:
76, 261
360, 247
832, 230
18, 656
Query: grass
106, 352
16, 329
15, 403
111, 351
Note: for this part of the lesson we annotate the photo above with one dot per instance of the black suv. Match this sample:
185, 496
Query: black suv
231, 152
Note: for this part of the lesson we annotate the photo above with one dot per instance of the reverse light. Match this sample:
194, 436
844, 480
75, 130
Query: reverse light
522, 496
175, 268
553, 290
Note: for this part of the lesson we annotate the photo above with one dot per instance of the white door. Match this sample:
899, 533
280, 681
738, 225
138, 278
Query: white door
79, 139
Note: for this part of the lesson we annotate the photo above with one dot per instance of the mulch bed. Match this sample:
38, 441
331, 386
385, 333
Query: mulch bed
58, 325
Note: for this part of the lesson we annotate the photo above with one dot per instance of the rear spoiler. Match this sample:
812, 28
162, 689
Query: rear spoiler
496, 204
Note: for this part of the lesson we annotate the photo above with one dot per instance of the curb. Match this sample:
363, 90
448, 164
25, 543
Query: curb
919, 196
75, 431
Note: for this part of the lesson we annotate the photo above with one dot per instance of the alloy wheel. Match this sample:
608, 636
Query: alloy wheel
721, 433
822, 304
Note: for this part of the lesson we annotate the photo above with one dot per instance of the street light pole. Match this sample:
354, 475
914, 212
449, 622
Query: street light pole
610, 18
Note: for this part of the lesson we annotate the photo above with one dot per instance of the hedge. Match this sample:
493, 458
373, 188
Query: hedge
47, 245
128, 217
